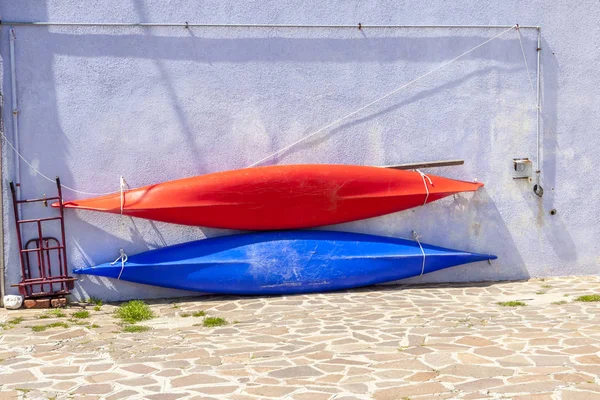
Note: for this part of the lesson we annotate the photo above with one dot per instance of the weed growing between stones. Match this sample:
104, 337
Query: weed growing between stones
134, 311
511, 304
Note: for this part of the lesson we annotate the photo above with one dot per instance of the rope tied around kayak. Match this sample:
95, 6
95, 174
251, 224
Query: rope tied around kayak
123, 258
416, 238
123, 187
423, 176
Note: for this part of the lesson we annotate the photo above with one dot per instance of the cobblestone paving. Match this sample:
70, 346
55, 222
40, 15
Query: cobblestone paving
396, 342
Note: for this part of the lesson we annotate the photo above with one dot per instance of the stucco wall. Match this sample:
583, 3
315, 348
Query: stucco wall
154, 104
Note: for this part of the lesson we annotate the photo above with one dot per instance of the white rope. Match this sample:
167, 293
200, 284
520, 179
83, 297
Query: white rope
423, 176
123, 258
527, 67
379, 99
296, 142
416, 238
123, 188
45, 176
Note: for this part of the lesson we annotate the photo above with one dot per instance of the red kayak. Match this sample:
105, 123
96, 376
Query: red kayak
279, 197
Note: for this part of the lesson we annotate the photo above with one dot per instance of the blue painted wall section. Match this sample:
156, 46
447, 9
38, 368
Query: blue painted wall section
155, 104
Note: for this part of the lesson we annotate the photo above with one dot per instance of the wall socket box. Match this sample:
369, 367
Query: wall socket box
523, 168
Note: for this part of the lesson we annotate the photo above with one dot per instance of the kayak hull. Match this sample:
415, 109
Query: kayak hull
279, 197
284, 262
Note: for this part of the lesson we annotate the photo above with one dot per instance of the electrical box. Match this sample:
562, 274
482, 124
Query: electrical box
523, 168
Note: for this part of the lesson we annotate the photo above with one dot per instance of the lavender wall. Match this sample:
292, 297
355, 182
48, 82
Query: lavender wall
155, 104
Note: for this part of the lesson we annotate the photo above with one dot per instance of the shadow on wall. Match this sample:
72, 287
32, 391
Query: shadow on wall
453, 222
462, 222
553, 226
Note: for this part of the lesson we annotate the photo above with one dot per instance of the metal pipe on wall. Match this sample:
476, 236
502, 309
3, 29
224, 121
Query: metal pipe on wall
537, 188
210, 25
2, 269
15, 109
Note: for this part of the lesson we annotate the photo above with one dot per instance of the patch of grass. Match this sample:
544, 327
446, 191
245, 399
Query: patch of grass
135, 328
586, 298
134, 311
175, 305
97, 308
211, 322
185, 314
546, 286
558, 303
94, 300
54, 313
566, 295
511, 304
95, 326
15, 321
200, 313
540, 292
58, 324
235, 321
23, 390
81, 314
41, 328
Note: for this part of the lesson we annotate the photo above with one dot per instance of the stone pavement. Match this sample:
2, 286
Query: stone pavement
447, 341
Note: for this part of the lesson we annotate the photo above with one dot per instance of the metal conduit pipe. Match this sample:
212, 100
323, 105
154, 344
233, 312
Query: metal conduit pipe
537, 188
214, 25
15, 109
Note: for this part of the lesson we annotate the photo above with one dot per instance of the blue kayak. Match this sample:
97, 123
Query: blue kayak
283, 262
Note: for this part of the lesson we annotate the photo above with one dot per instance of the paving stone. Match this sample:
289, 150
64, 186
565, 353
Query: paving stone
141, 369
104, 377
122, 394
270, 391
536, 396
479, 384
196, 379
98, 367
100, 388
468, 359
542, 361
216, 390
166, 396
474, 341
578, 395
64, 386
199, 353
138, 382
514, 361
476, 371
528, 387
572, 378
295, 372
16, 377
10, 395
312, 396
589, 359
421, 376
493, 351
409, 391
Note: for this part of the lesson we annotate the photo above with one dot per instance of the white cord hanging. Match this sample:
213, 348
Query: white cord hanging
424, 176
416, 238
123, 258
379, 99
298, 141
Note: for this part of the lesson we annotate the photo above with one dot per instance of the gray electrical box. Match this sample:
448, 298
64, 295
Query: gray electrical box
522, 168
